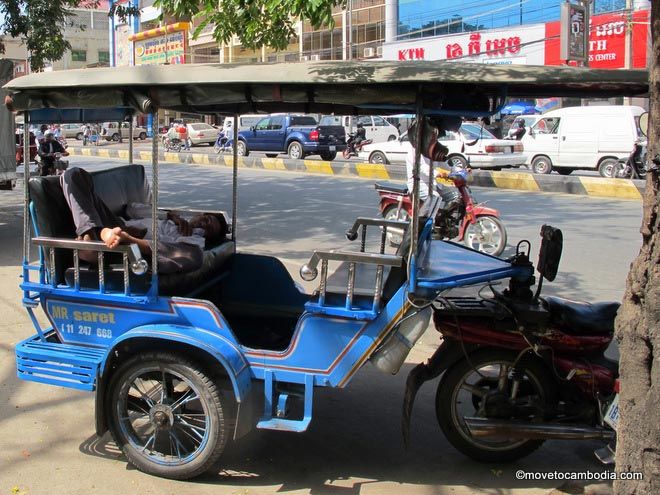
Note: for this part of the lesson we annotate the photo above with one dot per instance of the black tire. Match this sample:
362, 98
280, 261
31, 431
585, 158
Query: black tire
271, 155
142, 136
391, 138
206, 428
242, 148
457, 161
328, 156
295, 150
619, 171
115, 137
378, 157
564, 171
447, 398
541, 165
606, 167
189, 143
79, 136
489, 234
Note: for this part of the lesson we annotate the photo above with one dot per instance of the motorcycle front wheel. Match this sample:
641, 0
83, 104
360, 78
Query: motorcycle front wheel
487, 234
393, 212
466, 386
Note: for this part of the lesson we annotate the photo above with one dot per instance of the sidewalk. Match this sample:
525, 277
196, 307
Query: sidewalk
589, 186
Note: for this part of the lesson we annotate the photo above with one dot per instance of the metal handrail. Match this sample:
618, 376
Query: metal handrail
351, 234
309, 271
132, 258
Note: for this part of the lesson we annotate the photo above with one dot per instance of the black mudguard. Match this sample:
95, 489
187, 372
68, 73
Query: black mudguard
449, 353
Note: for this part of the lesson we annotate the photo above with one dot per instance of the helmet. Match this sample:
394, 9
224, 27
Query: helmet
359, 124
521, 123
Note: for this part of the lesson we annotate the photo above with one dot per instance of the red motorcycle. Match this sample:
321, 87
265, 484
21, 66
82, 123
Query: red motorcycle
460, 216
518, 368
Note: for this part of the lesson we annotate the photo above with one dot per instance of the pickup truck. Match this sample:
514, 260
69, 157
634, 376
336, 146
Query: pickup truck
297, 135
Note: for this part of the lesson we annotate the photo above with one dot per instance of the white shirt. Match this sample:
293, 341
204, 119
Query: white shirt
167, 229
424, 171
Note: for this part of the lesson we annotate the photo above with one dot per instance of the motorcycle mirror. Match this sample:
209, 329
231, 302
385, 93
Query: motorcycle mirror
550, 252
644, 123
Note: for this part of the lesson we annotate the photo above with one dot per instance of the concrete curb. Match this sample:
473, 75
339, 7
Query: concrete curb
589, 186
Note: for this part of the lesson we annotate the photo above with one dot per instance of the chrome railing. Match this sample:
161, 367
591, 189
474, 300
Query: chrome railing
132, 260
309, 271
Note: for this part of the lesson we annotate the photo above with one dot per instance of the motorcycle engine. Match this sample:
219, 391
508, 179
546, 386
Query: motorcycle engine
449, 216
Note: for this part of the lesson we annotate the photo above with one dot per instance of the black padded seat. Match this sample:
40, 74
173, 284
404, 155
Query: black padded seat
392, 187
579, 318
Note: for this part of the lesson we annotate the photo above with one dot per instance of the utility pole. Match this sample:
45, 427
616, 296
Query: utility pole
628, 55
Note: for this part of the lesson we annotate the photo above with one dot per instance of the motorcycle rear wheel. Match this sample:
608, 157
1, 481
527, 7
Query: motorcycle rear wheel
462, 387
392, 212
487, 235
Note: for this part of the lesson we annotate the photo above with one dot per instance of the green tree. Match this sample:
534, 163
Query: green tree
257, 23
40, 24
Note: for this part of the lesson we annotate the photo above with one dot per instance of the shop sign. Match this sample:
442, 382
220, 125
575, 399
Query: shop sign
165, 45
607, 41
573, 35
512, 45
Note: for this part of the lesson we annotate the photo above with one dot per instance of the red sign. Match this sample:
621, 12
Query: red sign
607, 43
411, 54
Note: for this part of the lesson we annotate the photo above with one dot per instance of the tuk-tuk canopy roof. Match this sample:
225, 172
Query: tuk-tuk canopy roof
358, 87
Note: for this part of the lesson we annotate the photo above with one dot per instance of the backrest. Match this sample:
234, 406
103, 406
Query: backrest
52, 217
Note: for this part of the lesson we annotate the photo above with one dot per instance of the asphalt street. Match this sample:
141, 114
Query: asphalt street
354, 446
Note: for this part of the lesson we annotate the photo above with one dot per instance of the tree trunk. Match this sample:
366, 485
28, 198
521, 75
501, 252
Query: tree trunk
638, 324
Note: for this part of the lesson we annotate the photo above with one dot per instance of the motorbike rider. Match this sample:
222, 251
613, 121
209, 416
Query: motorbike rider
47, 150
355, 139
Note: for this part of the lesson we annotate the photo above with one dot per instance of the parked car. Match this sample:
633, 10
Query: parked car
297, 135
472, 144
377, 128
201, 133
591, 138
112, 131
72, 131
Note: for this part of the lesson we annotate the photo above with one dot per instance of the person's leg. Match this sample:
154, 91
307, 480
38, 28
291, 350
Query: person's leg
89, 211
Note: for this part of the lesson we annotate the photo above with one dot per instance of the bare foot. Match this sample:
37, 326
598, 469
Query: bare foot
112, 237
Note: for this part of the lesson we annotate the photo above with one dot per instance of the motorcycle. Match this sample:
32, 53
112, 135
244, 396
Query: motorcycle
460, 216
353, 148
634, 167
224, 143
518, 369
58, 167
174, 144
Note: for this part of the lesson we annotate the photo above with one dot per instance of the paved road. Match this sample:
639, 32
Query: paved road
202, 148
354, 446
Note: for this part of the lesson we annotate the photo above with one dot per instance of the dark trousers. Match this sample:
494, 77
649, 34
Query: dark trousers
88, 210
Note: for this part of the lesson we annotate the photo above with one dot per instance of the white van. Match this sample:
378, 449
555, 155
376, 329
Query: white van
377, 128
244, 122
592, 138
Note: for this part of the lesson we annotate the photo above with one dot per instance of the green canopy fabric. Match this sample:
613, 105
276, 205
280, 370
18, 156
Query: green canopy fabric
359, 87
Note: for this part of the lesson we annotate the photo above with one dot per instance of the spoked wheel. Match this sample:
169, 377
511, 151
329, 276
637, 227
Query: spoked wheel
487, 234
167, 416
465, 390
395, 236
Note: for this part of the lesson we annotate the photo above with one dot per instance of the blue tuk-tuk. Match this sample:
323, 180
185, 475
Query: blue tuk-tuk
182, 362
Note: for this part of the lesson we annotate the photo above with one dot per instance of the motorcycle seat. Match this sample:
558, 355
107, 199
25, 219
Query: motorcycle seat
580, 318
392, 187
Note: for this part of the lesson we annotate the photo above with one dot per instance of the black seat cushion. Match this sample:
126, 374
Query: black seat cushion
579, 318
392, 187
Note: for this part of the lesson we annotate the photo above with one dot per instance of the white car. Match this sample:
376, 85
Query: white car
200, 132
472, 144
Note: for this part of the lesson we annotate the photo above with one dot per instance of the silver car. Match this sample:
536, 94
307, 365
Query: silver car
200, 132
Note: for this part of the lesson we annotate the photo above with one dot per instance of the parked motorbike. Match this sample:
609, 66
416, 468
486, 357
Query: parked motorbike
518, 369
459, 217
352, 147
633, 167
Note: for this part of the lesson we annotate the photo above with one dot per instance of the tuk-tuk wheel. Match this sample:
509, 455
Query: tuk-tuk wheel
167, 415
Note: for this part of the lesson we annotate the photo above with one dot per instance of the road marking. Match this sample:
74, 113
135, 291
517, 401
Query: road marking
200, 158
145, 155
273, 163
318, 167
104, 153
123, 154
515, 180
612, 188
372, 170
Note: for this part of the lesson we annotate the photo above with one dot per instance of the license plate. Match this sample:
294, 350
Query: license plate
333, 148
612, 414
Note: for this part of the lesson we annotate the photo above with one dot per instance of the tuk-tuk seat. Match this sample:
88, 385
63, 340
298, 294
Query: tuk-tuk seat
117, 187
